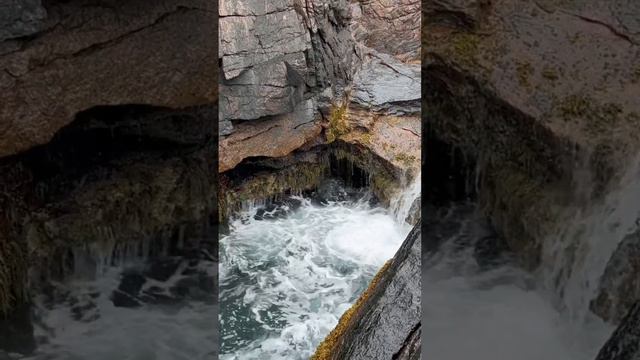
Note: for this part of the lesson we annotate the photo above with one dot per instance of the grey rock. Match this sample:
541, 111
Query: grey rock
624, 344
252, 7
225, 127
375, 18
383, 81
389, 323
619, 285
276, 54
247, 41
335, 54
269, 89
21, 18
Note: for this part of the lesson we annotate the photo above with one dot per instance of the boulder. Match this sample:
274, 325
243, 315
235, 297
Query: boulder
384, 81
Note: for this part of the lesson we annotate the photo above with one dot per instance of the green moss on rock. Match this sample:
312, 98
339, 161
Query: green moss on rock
338, 122
327, 349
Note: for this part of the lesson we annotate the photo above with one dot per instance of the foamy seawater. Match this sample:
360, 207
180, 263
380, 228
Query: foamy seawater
146, 308
494, 311
286, 280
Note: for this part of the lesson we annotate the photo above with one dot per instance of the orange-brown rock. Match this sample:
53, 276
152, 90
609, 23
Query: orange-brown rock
273, 137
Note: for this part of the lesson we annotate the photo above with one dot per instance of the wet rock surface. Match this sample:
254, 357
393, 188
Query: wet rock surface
624, 344
620, 286
386, 324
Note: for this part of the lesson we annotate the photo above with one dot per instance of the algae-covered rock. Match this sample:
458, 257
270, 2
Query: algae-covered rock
385, 321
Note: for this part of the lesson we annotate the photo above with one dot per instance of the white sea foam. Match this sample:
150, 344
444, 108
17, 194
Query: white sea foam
81, 321
286, 281
496, 313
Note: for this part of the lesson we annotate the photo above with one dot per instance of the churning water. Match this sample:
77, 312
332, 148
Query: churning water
130, 307
288, 275
490, 309
477, 304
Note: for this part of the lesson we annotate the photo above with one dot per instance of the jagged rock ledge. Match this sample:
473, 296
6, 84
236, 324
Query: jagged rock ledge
266, 180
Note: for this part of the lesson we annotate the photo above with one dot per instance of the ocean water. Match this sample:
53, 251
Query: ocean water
288, 274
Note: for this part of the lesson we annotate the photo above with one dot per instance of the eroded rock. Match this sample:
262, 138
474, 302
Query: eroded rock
274, 137
374, 19
153, 53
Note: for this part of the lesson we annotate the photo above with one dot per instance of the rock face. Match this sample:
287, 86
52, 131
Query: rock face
65, 57
20, 18
620, 284
115, 176
273, 54
624, 344
284, 133
385, 322
283, 56
382, 112
106, 129
508, 84
374, 19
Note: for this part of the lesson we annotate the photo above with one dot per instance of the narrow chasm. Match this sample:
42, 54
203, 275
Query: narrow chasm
112, 225
320, 179
295, 260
